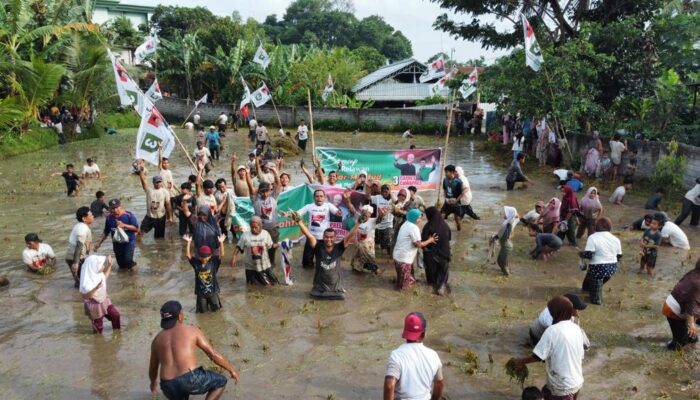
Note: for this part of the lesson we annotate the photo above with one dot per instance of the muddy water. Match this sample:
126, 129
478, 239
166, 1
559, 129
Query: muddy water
288, 346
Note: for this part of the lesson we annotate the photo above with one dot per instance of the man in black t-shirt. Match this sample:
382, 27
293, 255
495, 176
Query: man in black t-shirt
452, 188
72, 180
328, 283
184, 223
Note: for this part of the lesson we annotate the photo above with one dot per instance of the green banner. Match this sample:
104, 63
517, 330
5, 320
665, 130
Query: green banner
397, 168
292, 199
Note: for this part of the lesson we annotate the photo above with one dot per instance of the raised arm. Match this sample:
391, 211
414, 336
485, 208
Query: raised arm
308, 175
249, 182
234, 158
184, 207
160, 156
142, 178
188, 246
198, 183
350, 236
258, 170
309, 237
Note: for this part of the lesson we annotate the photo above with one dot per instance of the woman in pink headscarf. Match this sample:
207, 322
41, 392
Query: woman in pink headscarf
591, 210
568, 213
550, 216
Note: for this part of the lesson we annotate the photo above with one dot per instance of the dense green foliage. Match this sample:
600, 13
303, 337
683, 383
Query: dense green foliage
608, 65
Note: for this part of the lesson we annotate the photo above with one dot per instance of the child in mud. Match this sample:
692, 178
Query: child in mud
72, 180
546, 243
205, 266
510, 220
651, 240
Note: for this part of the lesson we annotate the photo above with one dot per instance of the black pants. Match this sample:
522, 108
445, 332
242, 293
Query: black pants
214, 150
302, 144
124, 253
157, 224
688, 209
184, 225
307, 260
679, 330
511, 184
467, 210
436, 269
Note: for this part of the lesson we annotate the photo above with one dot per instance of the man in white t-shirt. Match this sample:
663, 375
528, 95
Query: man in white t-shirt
222, 120
407, 134
91, 170
319, 220
261, 136
408, 241
203, 155
79, 242
413, 371
561, 348
618, 195
38, 256
158, 207
252, 126
673, 234
302, 135
384, 202
617, 147
196, 119
691, 206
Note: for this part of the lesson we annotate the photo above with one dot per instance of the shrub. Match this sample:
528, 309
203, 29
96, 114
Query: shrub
670, 169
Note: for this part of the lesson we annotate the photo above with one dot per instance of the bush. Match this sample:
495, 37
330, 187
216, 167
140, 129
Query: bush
116, 120
670, 169
11, 144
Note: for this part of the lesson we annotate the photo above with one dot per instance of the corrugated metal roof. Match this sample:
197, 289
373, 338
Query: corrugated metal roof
391, 90
383, 72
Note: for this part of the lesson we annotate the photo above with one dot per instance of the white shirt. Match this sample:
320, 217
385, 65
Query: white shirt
467, 190
618, 194
518, 144
303, 132
91, 170
168, 181
532, 216
365, 232
616, 149
319, 217
81, 233
382, 203
222, 120
36, 259
196, 118
261, 134
694, 194
253, 123
563, 174
561, 347
605, 247
415, 368
405, 249
545, 320
552, 137
675, 235
407, 134
204, 152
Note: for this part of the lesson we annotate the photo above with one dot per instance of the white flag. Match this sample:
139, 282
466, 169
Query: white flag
436, 69
469, 85
438, 87
261, 57
127, 89
533, 54
328, 89
246, 94
261, 96
154, 92
153, 132
202, 100
144, 103
148, 47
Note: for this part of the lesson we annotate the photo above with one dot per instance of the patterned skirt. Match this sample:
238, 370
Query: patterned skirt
602, 271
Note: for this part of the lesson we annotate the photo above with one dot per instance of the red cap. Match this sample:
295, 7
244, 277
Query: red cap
204, 251
413, 326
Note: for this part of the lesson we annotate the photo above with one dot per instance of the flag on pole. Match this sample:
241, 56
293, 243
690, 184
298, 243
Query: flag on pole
153, 133
148, 47
202, 100
261, 96
469, 85
533, 53
246, 94
436, 69
126, 88
261, 57
144, 103
153, 92
328, 89
440, 85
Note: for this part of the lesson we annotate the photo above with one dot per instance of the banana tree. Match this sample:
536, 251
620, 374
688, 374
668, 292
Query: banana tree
229, 64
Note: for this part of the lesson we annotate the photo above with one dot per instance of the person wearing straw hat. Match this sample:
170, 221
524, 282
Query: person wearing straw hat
174, 353
414, 371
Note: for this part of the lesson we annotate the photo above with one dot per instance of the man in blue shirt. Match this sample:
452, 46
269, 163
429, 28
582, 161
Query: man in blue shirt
120, 218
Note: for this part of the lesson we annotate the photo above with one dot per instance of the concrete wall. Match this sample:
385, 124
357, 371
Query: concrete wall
648, 154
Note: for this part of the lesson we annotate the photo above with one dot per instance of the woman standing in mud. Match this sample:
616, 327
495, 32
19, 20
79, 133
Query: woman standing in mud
510, 220
568, 212
591, 209
604, 251
437, 256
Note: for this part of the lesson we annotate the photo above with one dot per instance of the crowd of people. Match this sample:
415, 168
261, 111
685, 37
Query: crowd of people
408, 234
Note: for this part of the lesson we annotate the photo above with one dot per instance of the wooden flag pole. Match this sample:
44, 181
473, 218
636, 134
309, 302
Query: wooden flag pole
185, 150
189, 115
311, 124
443, 157
557, 122
278, 114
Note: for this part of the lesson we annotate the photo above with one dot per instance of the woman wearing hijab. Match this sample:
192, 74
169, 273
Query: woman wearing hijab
93, 286
591, 210
510, 220
550, 216
542, 143
604, 251
561, 348
595, 149
205, 229
437, 256
682, 309
408, 241
568, 213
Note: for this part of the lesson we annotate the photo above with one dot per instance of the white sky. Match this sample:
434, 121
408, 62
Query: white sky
414, 18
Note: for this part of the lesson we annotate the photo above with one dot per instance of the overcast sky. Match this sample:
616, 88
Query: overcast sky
412, 17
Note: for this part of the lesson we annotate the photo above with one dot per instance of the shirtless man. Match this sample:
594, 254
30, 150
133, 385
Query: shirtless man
174, 348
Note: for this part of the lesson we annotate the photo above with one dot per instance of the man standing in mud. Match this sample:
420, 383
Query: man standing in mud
174, 351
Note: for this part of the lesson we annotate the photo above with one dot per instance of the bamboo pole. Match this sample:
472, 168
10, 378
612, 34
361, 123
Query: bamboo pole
443, 157
189, 115
184, 149
278, 114
557, 122
311, 124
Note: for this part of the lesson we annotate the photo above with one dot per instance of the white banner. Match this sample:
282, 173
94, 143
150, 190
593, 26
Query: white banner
436, 69
153, 133
202, 100
127, 89
440, 85
261, 57
148, 47
469, 85
154, 92
533, 54
261, 96
246, 94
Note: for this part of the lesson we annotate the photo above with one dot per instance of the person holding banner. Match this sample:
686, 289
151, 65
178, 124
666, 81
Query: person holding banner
255, 245
328, 283
319, 221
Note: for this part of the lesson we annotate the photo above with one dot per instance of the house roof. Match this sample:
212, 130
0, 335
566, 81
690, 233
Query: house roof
118, 6
391, 90
385, 72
